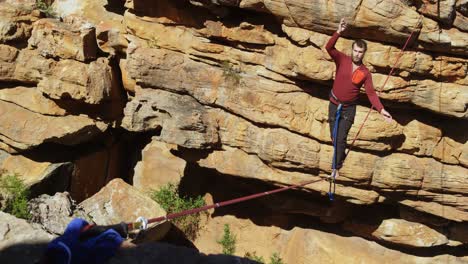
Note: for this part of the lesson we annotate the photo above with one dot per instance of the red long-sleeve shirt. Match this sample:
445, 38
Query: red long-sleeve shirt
343, 87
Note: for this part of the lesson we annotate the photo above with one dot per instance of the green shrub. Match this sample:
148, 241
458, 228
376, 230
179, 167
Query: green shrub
275, 259
253, 256
228, 241
46, 8
230, 73
169, 199
15, 194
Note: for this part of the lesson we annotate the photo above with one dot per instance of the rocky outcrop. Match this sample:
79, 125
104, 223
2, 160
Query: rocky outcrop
15, 235
240, 91
295, 245
158, 167
39, 177
53, 213
110, 206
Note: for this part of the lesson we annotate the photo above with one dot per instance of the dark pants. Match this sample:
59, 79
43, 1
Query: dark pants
344, 124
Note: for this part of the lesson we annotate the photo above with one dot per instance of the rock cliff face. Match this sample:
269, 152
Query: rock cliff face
204, 91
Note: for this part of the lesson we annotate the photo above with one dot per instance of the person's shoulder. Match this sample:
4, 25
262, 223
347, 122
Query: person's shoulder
365, 69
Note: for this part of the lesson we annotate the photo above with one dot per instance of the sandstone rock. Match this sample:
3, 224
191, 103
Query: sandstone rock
31, 99
21, 242
53, 213
31, 67
16, 18
437, 209
299, 243
398, 171
420, 138
110, 206
104, 15
246, 32
158, 167
444, 178
8, 55
56, 39
450, 151
461, 22
37, 129
170, 254
127, 82
22, 65
304, 245
443, 11
271, 103
238, 163
39, 177
445, 98
92, 83
407, 233
180, 119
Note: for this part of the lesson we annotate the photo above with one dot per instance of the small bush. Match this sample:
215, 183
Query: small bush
230, 73
275, 259
15, 195
228, 241
169, 199
253, 256
46, 8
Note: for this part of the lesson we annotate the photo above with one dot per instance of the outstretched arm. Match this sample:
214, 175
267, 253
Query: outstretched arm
330, 47
374, 99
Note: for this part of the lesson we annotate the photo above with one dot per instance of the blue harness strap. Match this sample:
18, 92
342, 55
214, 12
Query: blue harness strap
335, 133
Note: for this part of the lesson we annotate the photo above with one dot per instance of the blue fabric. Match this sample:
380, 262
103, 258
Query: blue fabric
97, 249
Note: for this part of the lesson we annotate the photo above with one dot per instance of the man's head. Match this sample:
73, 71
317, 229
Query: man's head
358, 49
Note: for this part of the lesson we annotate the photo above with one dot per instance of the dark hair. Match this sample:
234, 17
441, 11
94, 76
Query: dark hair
360, 43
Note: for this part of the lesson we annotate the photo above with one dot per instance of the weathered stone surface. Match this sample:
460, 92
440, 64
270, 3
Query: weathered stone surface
31, 99
22, 65
238, 163
7, 67
298, 244
443, 10
53, 213
158, 167
16, 18
304, 245
92, 83
366, 20
110, 206
398, 171
447, 212
270, 103
104, 15
169, 254
31, 66
461, 22
40, 177
21, 242
407, 233
420, 138
246, 33
296, 62
180, 118
23, 129
56, 39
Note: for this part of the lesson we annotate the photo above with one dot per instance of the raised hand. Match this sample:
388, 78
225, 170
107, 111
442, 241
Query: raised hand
342, 26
